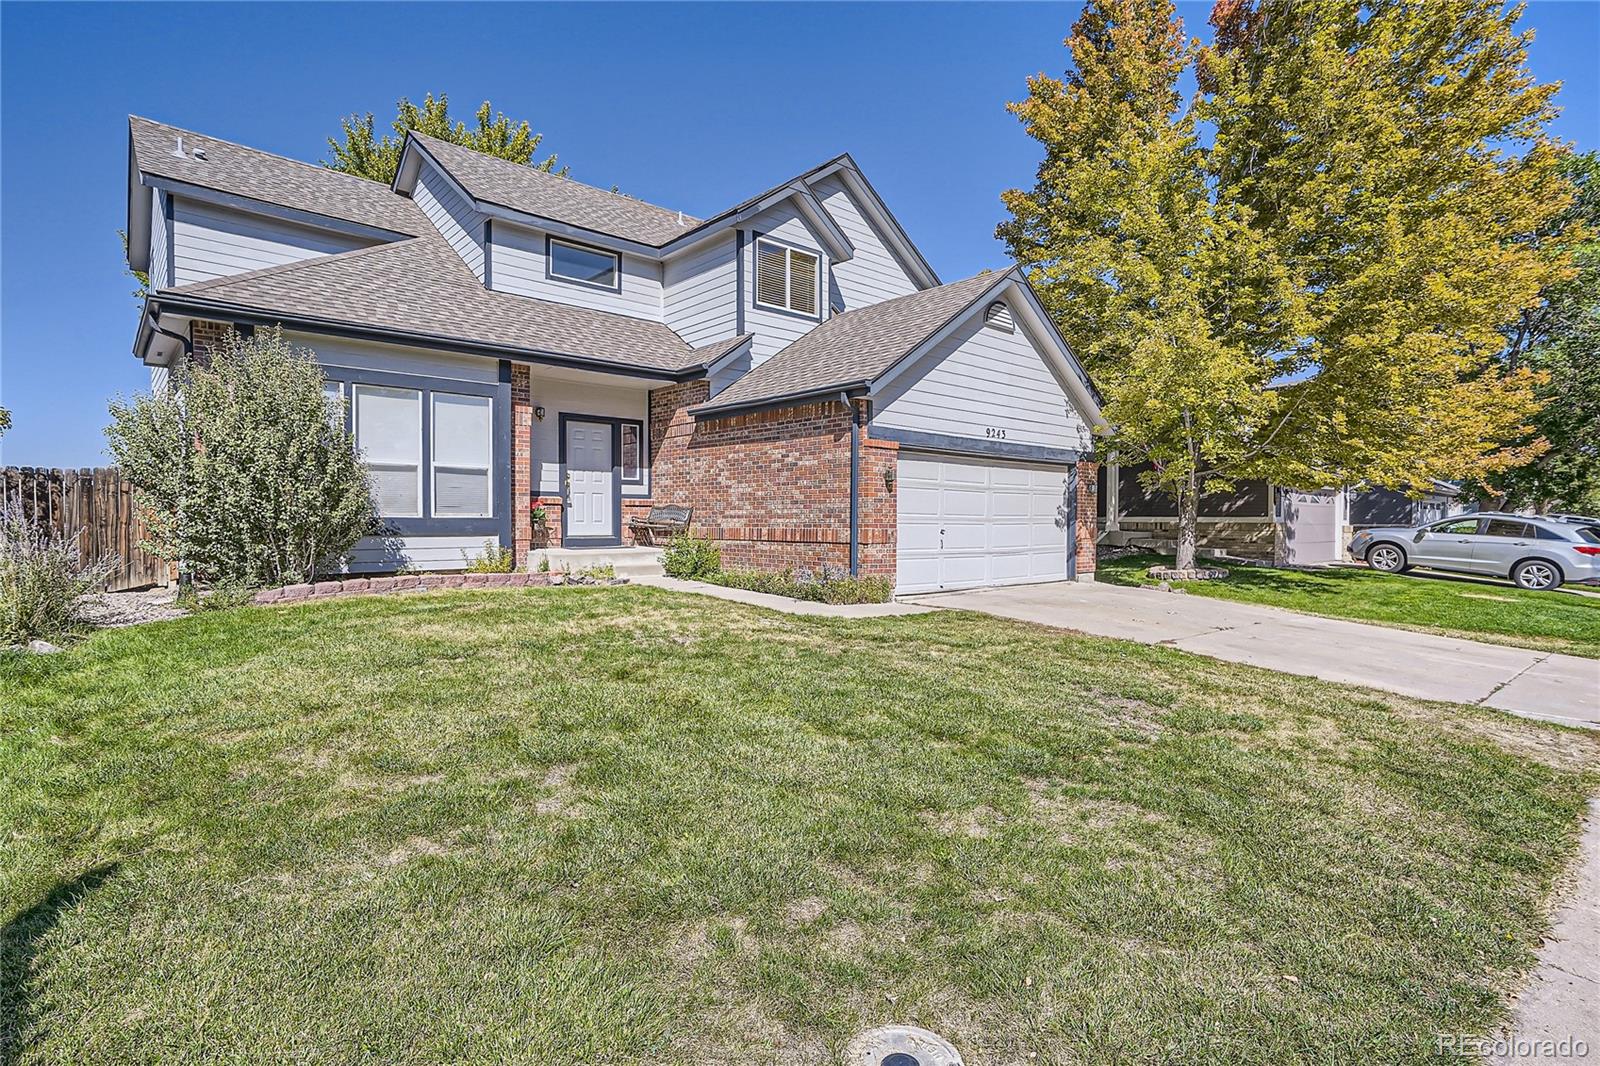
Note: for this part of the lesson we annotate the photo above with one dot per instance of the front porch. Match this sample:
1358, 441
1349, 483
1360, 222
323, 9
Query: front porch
580, 465
626, 561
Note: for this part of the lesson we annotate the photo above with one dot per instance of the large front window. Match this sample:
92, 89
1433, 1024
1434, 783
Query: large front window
388, 425
462, 450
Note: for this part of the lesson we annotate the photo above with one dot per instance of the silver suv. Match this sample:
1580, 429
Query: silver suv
1536, 553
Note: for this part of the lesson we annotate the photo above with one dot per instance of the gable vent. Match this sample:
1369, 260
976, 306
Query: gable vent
998, 316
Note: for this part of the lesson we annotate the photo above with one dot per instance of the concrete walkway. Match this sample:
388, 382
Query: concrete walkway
1534, 684
783, 603
1557, 1017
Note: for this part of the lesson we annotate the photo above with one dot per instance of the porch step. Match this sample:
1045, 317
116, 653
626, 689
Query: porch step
627, 562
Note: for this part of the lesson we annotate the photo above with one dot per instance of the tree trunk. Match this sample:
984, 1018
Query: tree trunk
1188, 521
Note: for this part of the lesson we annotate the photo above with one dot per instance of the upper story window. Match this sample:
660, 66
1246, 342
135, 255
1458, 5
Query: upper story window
587, 266
787, 279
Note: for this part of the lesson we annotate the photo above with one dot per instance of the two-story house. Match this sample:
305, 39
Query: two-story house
507, 340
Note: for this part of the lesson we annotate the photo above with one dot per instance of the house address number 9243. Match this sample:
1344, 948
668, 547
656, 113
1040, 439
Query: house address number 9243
994, 433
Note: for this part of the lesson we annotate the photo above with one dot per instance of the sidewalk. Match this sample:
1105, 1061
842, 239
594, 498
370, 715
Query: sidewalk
1562, 1002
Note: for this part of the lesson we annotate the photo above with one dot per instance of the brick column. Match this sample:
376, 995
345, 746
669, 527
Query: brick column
1088, 520
521, 463
878, 503
206, 339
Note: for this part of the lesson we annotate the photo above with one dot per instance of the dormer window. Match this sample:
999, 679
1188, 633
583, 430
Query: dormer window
586, 266
786, 278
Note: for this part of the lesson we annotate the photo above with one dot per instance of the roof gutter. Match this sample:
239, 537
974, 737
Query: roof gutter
417, 339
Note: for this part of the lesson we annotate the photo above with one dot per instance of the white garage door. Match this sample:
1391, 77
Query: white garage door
1311, 524
969, 522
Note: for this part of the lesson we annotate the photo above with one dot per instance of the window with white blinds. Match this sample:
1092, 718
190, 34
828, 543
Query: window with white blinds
462, 450
388, 425
786, 278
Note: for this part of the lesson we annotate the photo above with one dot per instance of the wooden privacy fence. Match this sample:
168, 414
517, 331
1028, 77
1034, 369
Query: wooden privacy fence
96, 506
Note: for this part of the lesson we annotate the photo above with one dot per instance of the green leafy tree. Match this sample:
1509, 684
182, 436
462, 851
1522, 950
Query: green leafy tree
1300, 273
365, 154
5, 421
1560, 338
244, 473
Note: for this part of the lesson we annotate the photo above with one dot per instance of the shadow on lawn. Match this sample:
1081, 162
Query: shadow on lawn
19, 942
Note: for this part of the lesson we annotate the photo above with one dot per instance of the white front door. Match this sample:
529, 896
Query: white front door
963, 523
591, 482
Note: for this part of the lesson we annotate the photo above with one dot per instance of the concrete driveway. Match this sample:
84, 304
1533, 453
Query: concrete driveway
1534, 684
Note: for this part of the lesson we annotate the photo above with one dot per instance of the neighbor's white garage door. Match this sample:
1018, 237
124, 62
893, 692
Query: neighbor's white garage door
969, 522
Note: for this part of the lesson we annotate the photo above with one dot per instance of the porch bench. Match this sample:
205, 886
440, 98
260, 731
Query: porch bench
663, 522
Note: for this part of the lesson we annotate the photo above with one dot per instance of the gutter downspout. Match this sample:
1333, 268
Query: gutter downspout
185, 578
855, 484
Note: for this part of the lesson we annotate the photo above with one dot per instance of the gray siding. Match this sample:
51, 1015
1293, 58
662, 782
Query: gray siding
160, 242
455, 219
393, 359
160, 376
213, 242
873, 274
980, 382
518, 265
375, 555
730, 373
700, 297
774, 330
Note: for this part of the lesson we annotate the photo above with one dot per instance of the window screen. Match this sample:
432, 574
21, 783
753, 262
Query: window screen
389, 434
462, 451
802, 282
576, 263
772, 285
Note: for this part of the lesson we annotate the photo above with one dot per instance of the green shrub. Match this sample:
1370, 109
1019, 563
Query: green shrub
41, 579
494, 559
691, 558
216, 598
826, 588
244, 470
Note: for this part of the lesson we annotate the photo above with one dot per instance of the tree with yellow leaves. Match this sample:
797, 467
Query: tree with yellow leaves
1302, 272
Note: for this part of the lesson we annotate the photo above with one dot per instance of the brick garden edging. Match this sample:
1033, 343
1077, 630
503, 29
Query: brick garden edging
1195, 573
368, 586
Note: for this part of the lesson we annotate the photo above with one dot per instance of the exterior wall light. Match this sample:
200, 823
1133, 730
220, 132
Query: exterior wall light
888, 478
538, 412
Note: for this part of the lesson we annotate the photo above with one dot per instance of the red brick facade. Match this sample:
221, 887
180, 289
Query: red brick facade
521, 462
772, 487
205, 338
1087, 524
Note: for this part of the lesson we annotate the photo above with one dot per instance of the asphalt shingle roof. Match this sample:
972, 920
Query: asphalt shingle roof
855, 347
535, 192
273, 179
421, 286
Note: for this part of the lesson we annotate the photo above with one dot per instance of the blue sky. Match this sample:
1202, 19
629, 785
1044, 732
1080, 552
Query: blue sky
690, 106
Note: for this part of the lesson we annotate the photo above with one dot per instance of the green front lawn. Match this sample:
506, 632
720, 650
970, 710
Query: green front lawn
622, 825
1433, 603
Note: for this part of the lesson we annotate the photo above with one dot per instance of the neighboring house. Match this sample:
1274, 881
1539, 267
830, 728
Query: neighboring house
1261, 521
511, 342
